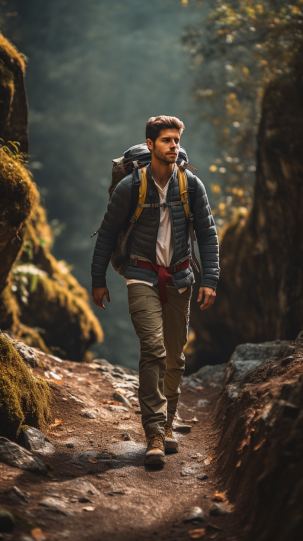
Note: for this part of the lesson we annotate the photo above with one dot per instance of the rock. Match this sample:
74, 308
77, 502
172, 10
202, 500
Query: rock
117, 409
104, 363
196, 514
84, 458
120, 398
17, 457
7, 521
126, 436
183, 429
210, 374
202, 402
28, 354
36, 441
57, 505
15, 494
190, 470
287, 360
218, 510
232, 391
236, 369
79, 486
89, 414
80, 402
117, 490
118, 370
202, 476
128, 451
260, 352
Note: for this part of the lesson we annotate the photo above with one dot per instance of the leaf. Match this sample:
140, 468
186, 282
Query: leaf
93, 460
218, 497
88, 508
38, 535
56, 423
88, 382
197, 534
208, 460
49, 466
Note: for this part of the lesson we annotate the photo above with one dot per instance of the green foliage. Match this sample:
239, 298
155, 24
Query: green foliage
24, 398
241, 47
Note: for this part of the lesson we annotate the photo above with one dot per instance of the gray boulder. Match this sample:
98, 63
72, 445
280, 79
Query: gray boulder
28, 354
17, 457
36, 441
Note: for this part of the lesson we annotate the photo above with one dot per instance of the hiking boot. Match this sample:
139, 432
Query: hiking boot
155, 453
171, 444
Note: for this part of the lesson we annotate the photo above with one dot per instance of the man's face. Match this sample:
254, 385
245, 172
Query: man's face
167, 145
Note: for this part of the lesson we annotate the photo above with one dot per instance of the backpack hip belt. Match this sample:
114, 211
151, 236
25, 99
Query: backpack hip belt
163, 274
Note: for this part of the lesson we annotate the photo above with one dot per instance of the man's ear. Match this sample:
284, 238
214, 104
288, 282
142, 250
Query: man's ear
150, 144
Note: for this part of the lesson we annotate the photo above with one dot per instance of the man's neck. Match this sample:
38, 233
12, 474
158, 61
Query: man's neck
161, 171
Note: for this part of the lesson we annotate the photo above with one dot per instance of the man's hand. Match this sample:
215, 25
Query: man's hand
209, 295
98, 294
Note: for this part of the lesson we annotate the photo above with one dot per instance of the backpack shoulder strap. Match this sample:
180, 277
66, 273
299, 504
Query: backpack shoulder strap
188, 193
138, 196
183, 190
191, 188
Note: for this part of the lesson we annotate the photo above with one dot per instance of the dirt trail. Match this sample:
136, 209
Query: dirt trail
132, 502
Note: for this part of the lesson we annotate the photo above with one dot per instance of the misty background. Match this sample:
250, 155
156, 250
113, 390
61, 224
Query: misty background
96, 72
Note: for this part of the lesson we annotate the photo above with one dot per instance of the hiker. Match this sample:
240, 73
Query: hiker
150, 222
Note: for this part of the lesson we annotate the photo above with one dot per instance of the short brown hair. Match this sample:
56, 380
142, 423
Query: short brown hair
157, 123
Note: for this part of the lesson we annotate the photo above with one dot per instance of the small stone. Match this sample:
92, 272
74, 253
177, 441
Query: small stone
117, 409
17, 495
191, 470
7, 521
218, 510
84, 458
89, 414
202, 402
202, 476
57, 505
27, 353
80, 402
196, 514
287, 360
70, 445
122, 399
183, 429
126, 436
117, 490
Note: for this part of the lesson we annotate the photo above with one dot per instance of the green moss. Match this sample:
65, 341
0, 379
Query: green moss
12, 52
24, 398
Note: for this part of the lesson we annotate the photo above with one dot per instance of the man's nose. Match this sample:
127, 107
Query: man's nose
173, 144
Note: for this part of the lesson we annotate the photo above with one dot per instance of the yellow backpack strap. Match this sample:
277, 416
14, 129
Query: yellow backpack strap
183, 190
184, 197
141, 201
142, 192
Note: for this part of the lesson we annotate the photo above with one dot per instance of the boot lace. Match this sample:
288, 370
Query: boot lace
155, 441
168, 431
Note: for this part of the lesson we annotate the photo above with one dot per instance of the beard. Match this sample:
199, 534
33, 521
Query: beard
164, 157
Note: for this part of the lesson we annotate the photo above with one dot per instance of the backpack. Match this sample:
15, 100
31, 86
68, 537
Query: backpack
134, 161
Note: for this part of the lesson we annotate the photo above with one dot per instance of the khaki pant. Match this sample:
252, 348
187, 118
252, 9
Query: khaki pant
163, 332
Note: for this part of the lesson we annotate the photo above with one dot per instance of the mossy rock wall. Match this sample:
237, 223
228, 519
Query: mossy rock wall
24, 398
40, 301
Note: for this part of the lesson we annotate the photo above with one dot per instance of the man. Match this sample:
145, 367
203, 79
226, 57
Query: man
159, 241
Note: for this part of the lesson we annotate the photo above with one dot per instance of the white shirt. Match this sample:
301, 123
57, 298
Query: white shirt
165, 241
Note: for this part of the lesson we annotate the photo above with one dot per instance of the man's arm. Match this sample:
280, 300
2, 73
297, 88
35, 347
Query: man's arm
208, 243
116, 215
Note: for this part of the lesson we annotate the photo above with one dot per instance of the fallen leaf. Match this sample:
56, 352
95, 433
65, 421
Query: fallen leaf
55, 381
208, 460
197, 534
49, 466
89, 508
93, 460
218, 497
125, 418
38, 535
56, 423
89, 382
55, 434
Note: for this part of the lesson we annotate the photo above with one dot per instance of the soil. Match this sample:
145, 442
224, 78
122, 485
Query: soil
154, 502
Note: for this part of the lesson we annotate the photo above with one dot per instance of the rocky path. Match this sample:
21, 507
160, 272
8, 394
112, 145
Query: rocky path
95, 485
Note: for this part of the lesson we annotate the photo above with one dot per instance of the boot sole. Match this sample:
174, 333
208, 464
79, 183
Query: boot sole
154, 460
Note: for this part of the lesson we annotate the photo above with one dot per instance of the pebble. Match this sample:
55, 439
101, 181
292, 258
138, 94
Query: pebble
126, 436
203, 402
83, 458
117, 409
122, 399
218, 510
202, 476
57, 505
15, 494
7, 521
89, 414
196, 514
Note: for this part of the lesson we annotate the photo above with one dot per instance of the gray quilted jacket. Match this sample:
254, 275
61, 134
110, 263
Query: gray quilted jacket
143, 238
